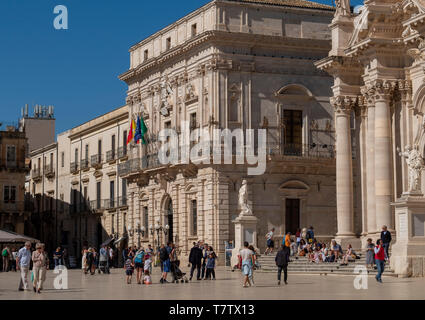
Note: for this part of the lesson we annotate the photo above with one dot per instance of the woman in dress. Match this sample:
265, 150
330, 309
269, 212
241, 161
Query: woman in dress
370, 254
84, 260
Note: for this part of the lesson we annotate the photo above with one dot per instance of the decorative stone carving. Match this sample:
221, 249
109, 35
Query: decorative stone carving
343, 104
415, 163
190, 92
246, 209
166, 92
342, 8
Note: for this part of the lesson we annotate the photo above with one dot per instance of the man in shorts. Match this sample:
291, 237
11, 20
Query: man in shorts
270, 242
247, 263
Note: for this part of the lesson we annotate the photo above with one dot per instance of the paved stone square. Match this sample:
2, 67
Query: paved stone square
227, 286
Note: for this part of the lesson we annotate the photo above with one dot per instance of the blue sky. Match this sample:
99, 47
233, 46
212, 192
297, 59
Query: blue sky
75, 70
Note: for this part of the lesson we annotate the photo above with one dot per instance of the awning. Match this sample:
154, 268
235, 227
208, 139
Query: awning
12, 237
107, 242
119, 240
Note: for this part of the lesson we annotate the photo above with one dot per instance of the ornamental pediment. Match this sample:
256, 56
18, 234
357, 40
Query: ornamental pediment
294, 185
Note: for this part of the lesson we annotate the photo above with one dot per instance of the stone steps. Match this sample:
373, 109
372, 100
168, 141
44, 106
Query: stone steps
302, 265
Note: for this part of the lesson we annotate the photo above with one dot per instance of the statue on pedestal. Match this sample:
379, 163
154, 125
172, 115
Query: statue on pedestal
342, 8
246, 209
415, 163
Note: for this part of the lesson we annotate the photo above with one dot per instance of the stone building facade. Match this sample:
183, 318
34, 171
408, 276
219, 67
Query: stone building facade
14, 210
234, 65
377, 61
79, 198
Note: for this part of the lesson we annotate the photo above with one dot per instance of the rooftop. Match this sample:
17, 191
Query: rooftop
290, 3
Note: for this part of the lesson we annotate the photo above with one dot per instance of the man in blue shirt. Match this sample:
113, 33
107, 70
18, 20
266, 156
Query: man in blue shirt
23, 262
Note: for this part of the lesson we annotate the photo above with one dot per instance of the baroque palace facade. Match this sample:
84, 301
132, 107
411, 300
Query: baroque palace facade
377, 61
234, 65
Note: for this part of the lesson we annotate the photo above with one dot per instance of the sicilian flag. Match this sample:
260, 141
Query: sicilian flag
141, 131
131, 132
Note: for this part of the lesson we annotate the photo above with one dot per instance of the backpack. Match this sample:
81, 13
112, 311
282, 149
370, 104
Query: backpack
139, 257
163, 255
4, 253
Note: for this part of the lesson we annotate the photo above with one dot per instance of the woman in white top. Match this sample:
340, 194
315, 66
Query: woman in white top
347, 255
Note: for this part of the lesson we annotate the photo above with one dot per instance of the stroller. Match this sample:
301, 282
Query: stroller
178, 275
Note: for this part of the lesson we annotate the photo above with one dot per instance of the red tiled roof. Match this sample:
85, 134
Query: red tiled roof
291, 3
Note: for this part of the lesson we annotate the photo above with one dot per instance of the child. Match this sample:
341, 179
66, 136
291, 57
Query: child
147, 279
129, 268
211, 265
148, 263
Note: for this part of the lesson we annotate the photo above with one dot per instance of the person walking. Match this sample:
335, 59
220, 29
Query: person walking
386, 241
14, 256
89, 261
282, 261
165, 262
139, 264
23, 264
247, 261
6, 254
254, 263
380, 259
111, 257
103, 260
174, 260
205, 255
269, 242
84, 259
195, 258
40, 262
370, 254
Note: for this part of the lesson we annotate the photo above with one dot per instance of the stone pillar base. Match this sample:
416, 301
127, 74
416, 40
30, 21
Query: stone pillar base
344, 241
408, 253
245, 230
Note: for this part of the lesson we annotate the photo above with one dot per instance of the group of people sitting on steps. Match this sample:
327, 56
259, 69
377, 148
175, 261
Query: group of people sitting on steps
306, 245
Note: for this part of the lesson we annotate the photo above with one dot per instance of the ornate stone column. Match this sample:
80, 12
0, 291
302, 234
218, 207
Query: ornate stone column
344, 167
370, 162
383, 154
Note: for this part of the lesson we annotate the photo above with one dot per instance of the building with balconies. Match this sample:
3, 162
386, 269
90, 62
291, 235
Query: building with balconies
234, 65
14, 210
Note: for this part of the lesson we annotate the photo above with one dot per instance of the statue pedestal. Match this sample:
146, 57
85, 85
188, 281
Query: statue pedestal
245, 230
408, 253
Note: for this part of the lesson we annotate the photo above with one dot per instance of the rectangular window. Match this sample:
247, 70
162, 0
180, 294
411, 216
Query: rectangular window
99, 147
62, 159
11, 156
85, 198
76, 155
124, 192
6, 194
194, 218
113, 146
112, 193
292, 132
146, 220
112, 224
98, 195
12, 194
168, 43
87, 153
194, 31
146, 55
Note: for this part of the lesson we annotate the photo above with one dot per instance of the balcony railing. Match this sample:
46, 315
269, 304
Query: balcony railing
122, 152
122, 202
84, 164
96, 160
312, 151
136, 165
111, 156
35, 174
96, 205
49, 170
74, 167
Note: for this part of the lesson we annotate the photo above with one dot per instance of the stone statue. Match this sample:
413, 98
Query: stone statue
415, 164
246, 209
342, 8
166, 92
